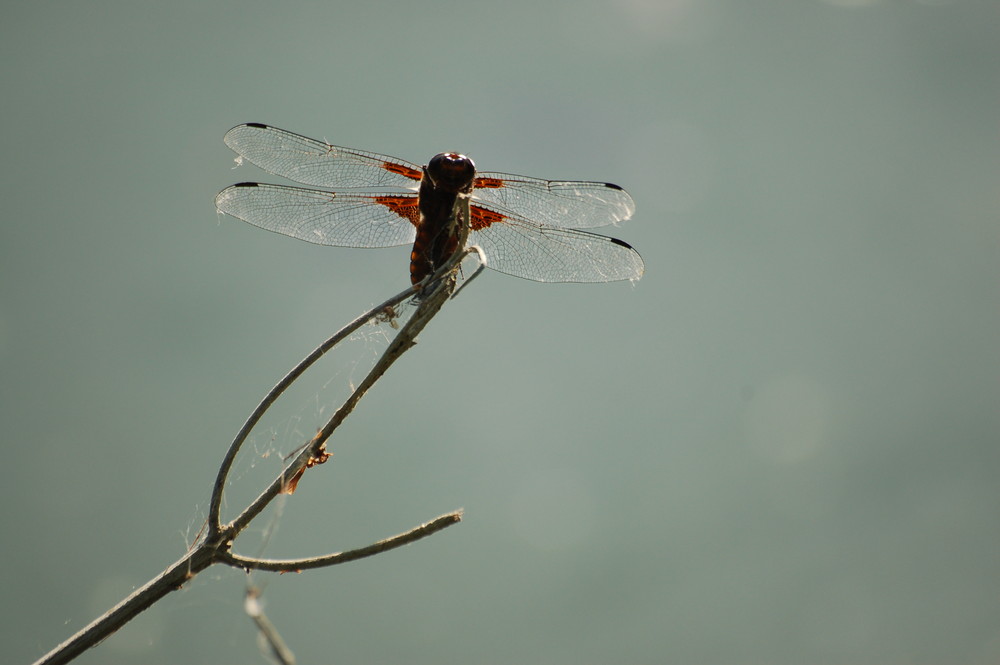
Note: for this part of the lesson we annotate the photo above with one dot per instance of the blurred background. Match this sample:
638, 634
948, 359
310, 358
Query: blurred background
780, 446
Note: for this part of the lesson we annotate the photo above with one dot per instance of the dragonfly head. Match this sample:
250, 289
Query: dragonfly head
451, 172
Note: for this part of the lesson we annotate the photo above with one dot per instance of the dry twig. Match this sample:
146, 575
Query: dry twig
216, 546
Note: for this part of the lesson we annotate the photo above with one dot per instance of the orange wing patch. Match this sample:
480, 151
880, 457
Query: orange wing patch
489, 183
404, 171
404, 206
481, 218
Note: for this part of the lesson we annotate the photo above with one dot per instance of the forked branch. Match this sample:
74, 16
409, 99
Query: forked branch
216, 546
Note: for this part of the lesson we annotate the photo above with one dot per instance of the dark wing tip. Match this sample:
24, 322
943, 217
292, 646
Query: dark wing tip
612, 185
641, 267
246, 184
258, 125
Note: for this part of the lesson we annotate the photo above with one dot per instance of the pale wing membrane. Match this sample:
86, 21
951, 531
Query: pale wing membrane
550, 254
317, 163
324, 218
567, 204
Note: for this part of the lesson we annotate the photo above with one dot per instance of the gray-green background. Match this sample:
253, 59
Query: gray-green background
781, 446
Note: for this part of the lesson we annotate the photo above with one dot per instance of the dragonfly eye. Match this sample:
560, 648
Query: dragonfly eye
451, 171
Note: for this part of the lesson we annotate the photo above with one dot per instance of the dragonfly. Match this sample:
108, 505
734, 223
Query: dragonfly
526, 227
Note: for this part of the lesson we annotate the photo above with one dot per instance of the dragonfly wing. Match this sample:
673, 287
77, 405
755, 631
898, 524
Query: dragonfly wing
324, 218
562, 203
318, 163
519, 247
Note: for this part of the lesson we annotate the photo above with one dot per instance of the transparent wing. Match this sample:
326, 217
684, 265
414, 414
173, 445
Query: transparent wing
324, 218
318, 163
519, 247
561, 203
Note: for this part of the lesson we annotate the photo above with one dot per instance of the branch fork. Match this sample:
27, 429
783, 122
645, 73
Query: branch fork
216, 545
